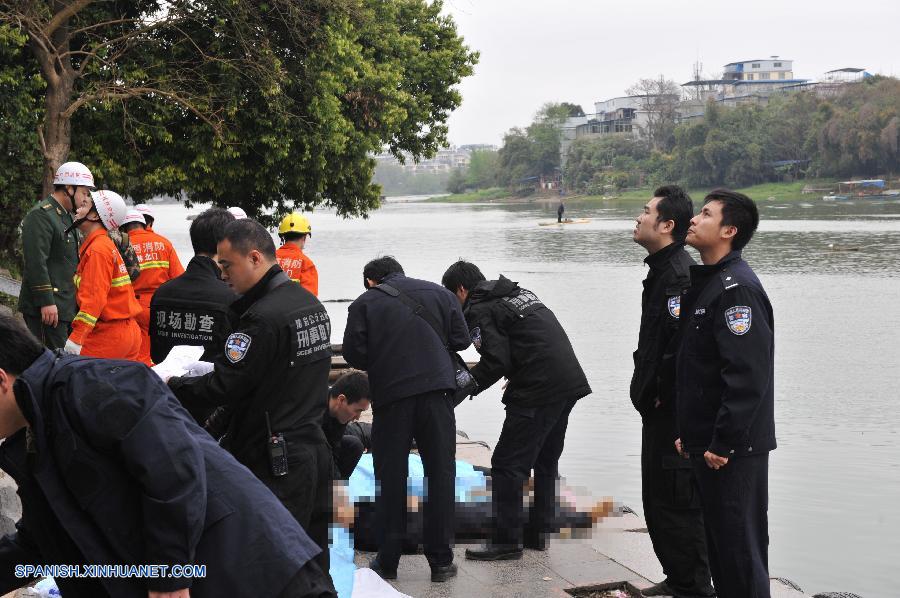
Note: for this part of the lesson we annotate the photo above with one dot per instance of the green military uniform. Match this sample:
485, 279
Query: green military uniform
51, 257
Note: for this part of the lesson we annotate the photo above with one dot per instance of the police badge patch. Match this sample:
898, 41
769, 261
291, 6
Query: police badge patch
476, 336
236, 346
674, 305
738, 319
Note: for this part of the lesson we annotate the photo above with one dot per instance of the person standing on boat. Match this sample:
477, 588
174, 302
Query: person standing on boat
725, 397
560, 211
669, 488
518, 337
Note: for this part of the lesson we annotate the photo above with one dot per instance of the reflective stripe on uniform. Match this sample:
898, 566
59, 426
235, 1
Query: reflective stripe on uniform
156, 264
121, 281
86, 318
77, 280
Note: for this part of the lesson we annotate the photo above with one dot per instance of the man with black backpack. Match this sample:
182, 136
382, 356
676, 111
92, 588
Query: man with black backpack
401, 332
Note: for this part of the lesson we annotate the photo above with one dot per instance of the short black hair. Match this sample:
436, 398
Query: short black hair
353, 384
149, 219
675, 205
292, 236
739, 211
380, 267
19, 348
208, 229
462, 274
245, 235
130, 226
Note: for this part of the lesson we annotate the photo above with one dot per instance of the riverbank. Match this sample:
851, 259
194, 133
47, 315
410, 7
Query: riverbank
792, 191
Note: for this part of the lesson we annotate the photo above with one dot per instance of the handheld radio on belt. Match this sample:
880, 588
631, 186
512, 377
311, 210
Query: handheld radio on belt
277, 450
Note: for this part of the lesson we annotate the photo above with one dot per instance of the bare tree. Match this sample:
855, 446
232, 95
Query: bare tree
658, 100
92, 51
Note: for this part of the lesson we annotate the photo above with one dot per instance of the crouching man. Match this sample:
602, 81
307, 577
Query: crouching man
111, 470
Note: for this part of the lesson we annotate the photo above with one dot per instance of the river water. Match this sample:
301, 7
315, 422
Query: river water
835, 477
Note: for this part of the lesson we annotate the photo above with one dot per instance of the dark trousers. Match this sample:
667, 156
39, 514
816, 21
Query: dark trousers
735, 510
309, 582
50, 337
429, 419
348, 455
532, 438
672, 508
306, 490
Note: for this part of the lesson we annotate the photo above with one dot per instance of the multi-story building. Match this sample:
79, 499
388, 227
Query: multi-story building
747, 81
445, 160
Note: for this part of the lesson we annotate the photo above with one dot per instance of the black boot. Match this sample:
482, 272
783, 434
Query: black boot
494, 552
443, 573
375, 566
660, 589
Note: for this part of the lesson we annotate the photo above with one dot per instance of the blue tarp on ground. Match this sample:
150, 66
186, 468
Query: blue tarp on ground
361, 487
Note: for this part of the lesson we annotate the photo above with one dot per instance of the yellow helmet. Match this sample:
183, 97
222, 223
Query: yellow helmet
294, 223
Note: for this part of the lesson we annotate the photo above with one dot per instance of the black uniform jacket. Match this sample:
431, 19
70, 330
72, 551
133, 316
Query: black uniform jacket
654, 360
111, 470
725, 367
276, 361
399, 350
520, 338
191, 309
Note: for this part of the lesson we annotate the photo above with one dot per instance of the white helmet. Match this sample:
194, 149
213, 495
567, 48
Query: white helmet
145, 210
110, 207
74, 173
133, 215
238, 213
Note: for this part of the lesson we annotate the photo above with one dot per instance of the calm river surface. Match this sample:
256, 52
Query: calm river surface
835, 477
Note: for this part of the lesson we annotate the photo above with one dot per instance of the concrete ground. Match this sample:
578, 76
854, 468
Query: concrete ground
619, 551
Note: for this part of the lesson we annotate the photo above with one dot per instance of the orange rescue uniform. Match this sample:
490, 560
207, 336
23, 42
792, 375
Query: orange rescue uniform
159, 263
298, 267
105, 324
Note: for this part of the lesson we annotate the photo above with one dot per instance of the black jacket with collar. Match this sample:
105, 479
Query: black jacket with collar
520, 338
400, 351
725, 366
191, 309
112, 471
654, 359
276, 361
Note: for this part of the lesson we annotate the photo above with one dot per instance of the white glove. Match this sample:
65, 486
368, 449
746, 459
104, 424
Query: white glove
198, 368
72, 348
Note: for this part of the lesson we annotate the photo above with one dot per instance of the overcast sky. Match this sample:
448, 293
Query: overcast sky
535, 51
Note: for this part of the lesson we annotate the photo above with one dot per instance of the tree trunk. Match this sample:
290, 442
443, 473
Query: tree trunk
57, 128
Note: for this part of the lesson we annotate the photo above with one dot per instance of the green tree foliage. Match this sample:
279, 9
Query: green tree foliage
20, 113
394, 180
854, 133
483, 168
266, 105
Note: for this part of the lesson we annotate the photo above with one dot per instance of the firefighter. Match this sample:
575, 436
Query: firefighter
105, 324
293, 231
159, 263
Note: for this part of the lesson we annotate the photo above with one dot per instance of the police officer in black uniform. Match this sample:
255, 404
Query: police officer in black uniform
669, 490
725, 393
412, 379
192, 309
518, 337
273, 376
348, 398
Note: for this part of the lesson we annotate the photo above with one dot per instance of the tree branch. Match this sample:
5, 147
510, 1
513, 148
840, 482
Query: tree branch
70, 10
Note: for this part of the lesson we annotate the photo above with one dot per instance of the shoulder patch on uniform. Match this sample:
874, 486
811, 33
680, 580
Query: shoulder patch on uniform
236, 346
728, 280
674, 306
738, 319
475, 333
47, 206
